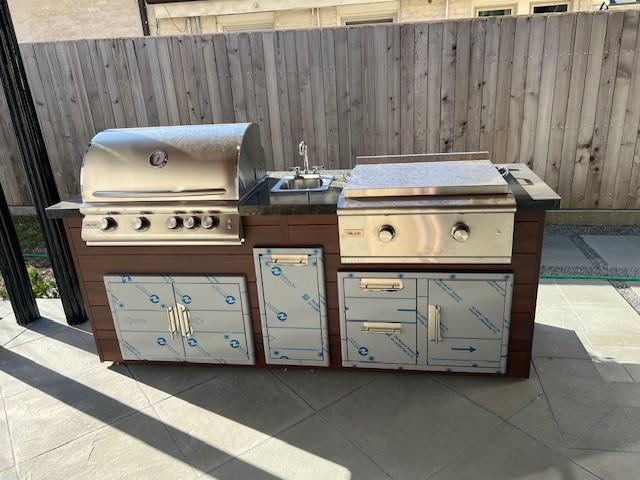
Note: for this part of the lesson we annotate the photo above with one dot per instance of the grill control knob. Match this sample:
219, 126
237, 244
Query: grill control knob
386, 233
460, 232
174, 223
192, 222
108, 223
210, 222
140, 224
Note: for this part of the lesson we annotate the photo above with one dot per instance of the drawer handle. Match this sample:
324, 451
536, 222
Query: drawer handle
433, 326
173, 328
380, 327
380, 284
295, 260
184, 317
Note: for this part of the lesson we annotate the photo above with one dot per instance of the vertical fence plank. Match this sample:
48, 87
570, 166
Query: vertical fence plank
295, 100
224, 79
236, 79
273, 104
317, 99
447, 88
532, 90
461, 95
380, 89
342, 96
407, 56
611, 163
421, 77
489, 84
368, 92
135, 83
393, 90
305, 93
474, 114
212, 79
262, 103
201, 95
282, 79
328, 58
354, 58
503, 82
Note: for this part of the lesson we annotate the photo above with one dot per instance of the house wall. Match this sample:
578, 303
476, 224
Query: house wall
51, 20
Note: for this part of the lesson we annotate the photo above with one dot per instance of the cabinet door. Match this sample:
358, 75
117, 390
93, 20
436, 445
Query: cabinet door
473, 321
139, 305
219, 316
292, 305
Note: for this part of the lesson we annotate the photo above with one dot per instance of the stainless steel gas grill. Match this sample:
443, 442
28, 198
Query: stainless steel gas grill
439, 212
169, 185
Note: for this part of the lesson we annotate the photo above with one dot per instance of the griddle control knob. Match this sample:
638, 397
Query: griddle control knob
460, 232
386, 233
140, 224
174, 223
192, 222
210, 222
107, 224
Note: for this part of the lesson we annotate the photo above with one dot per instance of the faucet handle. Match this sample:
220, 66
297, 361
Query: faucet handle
315, 168
295, 169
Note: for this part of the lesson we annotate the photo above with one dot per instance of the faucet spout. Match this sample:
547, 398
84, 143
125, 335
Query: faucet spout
302, 150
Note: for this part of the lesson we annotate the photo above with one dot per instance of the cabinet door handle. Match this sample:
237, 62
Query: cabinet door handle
294, 260
381, 284
181, 320
172, 322
380, 327
433, 326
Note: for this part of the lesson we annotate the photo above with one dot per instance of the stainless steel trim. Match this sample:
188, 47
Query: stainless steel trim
381, 327
159, 193
282, 259
381, 284
433, 324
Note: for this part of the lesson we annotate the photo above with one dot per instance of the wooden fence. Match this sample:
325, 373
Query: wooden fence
560, 93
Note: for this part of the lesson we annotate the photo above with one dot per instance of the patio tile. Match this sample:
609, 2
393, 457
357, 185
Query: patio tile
5, 308
633, 369
609, 318
620, 250
137, 447
613, 372
410, 424
6, 457
313, 449
557, 342
67, 409
159, 382
68, 353
9, 474
537, 420
230, 414
559, 250
509, 454
609, 465
12, 334
322, 387
590, 293
619, 430
502, 396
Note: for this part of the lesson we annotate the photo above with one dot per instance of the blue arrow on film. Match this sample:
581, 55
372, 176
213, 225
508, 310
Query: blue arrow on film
466, 349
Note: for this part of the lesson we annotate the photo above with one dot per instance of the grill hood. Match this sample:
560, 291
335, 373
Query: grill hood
195, 163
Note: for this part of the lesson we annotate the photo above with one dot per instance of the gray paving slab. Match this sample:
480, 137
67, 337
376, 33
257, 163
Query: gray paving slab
559, 250
5, 308
619, 250
508, 454
410, 424
69, 408
230, 414
137, 447
312, 449
9, 474
613, 372
67, 353
159, 382
6, 452
617, 431
502, 396
319, 388
609, 465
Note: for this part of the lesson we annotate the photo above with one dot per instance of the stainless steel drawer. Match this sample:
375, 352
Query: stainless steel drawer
381, 342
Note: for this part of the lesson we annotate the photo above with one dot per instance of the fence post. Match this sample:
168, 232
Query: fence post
37, 167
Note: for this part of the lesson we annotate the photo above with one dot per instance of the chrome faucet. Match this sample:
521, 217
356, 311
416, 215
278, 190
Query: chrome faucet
306, 170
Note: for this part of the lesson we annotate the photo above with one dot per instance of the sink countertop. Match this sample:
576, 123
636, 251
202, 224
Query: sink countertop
530, 191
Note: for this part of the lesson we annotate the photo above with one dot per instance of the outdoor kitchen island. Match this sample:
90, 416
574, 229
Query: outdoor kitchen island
306, 226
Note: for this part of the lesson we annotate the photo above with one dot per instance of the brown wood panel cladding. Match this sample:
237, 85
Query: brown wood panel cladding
297, 231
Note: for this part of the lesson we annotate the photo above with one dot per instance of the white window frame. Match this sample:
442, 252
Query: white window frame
246, 22
371, 11
483, 8
550, 4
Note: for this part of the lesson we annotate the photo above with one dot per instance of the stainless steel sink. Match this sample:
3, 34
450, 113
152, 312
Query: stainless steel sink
303, 183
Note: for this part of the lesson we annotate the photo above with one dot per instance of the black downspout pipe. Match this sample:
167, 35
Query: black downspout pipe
144, 17
37, 167
13, 269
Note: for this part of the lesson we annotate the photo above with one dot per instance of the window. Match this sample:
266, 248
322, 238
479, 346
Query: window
494, 12
245, 22
383, 12
553, 8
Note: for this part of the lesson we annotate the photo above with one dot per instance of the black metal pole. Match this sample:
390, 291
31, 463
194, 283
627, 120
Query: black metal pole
14, 270
37, 167
144, 17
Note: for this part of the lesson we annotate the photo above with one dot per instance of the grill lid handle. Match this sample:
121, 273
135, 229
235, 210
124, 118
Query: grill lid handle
159, 193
